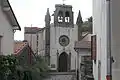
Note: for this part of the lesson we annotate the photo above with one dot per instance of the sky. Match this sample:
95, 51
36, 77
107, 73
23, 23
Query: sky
32, 12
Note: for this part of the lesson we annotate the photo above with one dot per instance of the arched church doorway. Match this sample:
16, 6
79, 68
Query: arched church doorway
63, 62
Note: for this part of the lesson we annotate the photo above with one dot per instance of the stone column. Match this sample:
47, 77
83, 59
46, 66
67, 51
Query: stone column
69, 64
57, 61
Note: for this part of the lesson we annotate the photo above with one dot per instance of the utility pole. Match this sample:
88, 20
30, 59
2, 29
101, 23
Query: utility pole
109, 61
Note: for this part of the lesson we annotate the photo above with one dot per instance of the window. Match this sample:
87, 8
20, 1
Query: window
93, 47
60, 19
67, 17
60, 16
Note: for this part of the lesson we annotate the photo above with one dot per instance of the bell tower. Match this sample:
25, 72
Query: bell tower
63, 16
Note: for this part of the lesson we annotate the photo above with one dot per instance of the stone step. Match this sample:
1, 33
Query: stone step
62, 73
61, 76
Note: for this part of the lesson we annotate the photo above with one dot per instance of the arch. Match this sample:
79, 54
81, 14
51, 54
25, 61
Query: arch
60, 13
63, 62
67, 16
60, 16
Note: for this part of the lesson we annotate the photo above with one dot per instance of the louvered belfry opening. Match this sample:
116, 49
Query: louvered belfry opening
60, 16
67, 17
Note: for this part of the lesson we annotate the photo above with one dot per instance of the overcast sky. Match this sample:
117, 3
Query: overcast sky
33, 11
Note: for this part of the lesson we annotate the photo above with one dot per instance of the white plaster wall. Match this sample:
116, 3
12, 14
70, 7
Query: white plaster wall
99, 28
84, 52
100, 18
55, 33
41, 43
32, 41
7, 33
115, 9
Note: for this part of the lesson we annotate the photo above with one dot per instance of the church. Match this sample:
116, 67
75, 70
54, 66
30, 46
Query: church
55, 42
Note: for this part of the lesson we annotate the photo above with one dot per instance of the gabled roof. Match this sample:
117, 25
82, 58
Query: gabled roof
31, 30
24, 53
19, 46
7, 9
85, 43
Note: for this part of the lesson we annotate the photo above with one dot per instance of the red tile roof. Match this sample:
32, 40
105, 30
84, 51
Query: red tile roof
31, 29
18, 46
85, 43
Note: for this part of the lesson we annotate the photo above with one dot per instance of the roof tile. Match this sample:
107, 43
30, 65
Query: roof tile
18, 46
85, 43
31, 29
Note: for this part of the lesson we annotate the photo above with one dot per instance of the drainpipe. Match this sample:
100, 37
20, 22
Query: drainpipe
109, 61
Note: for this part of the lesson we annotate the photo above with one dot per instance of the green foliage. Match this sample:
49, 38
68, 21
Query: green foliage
7, 66
90, 19
11, 70
86, 68
39, 68
87, 25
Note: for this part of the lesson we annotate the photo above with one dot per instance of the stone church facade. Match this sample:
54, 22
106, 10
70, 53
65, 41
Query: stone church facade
56, 40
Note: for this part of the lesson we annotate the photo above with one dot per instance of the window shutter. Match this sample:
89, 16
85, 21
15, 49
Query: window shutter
93, 47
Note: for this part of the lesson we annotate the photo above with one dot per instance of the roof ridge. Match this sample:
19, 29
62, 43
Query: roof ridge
21, 47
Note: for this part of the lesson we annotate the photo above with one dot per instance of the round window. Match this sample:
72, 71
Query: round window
64, 40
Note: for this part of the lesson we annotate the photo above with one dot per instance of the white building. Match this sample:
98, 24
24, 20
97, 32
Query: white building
8, 25
106, 15
56, 40
32, 37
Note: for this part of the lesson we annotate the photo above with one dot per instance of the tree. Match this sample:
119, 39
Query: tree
87, 25
39, 68
7, 67
90, 20
11, 70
